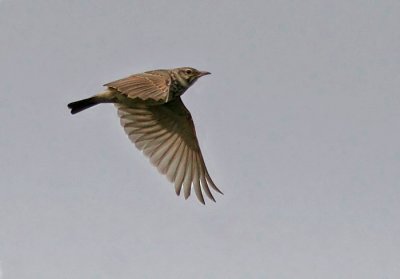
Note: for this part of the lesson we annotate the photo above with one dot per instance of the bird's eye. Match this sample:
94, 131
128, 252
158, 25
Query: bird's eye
188, 71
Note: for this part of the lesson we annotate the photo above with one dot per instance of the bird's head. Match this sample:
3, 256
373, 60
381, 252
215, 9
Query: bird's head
187, 76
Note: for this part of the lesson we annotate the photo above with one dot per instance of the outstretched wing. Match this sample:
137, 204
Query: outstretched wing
166, 134
153, 85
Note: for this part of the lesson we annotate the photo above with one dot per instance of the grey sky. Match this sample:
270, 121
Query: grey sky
298, 123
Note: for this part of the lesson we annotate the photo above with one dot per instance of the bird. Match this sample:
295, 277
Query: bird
156, 120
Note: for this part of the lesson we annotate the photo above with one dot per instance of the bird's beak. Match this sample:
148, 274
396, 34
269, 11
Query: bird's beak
203, 74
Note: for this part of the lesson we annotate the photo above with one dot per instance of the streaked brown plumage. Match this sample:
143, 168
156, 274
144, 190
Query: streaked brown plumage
158, 123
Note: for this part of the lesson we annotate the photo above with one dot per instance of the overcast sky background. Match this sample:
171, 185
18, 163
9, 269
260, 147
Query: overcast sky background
298, 124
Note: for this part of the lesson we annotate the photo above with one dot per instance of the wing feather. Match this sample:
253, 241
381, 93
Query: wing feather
187, 182
181, 171
148, 86
165, 162
196, 179
175, 162
166, 134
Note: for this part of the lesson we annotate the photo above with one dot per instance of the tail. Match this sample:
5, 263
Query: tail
78, 106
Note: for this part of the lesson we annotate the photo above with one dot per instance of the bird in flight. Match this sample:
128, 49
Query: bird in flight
158, 123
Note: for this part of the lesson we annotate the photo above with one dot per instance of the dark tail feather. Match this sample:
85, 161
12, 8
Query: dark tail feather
78, 106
